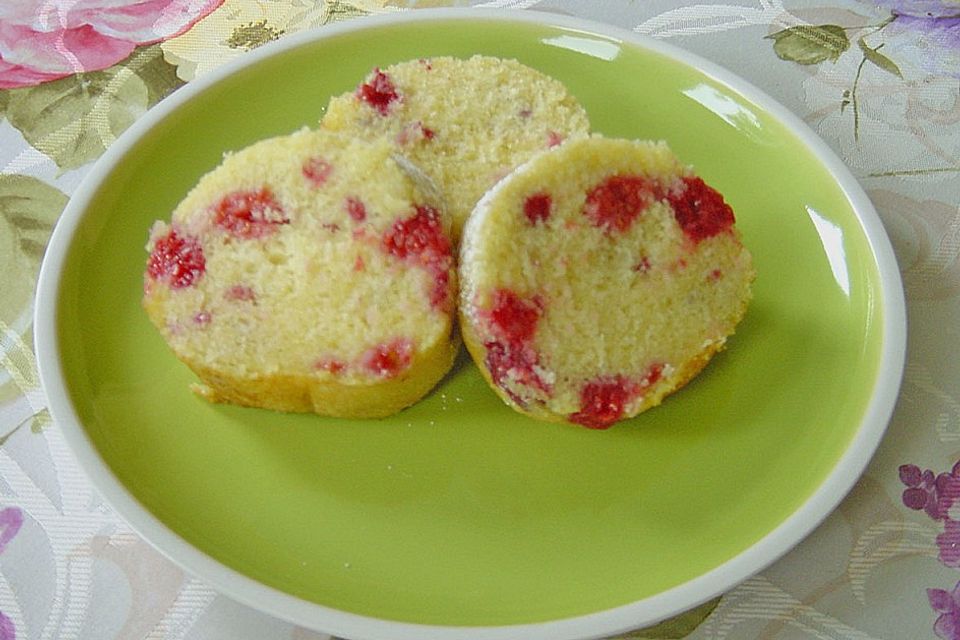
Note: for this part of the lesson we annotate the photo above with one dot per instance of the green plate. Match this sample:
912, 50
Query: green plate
459, 512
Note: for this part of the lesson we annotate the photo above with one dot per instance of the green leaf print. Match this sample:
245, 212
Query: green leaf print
28, 210
878, 59
74, 119
808, 44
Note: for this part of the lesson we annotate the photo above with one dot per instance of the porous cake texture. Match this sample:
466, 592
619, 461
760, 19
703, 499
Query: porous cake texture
598, 278
307, 273
465, 123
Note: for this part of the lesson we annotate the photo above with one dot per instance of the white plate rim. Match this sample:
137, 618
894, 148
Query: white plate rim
600, 624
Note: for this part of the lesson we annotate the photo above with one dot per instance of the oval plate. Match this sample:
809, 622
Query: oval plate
459, 518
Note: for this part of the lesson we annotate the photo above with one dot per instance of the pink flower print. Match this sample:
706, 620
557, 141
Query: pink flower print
947, 604
42, 41
933, 494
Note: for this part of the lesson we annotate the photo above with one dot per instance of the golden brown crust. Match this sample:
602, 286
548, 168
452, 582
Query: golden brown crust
305, 394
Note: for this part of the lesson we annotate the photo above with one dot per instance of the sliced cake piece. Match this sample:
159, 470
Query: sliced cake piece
465, 123
307, 273
598, 278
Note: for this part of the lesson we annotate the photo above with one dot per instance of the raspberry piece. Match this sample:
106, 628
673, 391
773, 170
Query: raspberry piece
700, 210
249, 214
602, 401
387, 360
513, 319
643, 266
514, 364
413, 132
239, 292
537, 207
378, 92
317, 171
420, 240
418, 235
176, 260
359, 264
440, 293
654, 373
615, 203
331, 364
553, 139
202, 318
355, 209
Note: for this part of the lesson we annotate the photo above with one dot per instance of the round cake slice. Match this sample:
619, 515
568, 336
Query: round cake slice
307, 273
598, 278
464, 123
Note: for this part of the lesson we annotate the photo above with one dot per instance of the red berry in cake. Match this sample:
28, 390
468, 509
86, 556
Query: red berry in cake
512, 318
331, 364
700, 210
653, 375
414, 132
378, 92
537, 207
614, 204
440, 293
387, 360
355, 209
420, 239
553, 139
602, 401
514, 365
202, 318
643, 265
176, 260
418, 235
249, 214
240, 293
317, 170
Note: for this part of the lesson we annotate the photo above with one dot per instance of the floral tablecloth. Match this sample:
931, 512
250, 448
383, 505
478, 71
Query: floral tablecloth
879, 81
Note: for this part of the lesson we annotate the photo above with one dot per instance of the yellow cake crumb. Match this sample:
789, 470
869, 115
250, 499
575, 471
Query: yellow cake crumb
598, 278
465, 123
286, 279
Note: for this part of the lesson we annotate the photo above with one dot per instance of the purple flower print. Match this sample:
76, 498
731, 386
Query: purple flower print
947, 604
926, 32
933, 494
7, 630
11, 519
949, 544
922, 8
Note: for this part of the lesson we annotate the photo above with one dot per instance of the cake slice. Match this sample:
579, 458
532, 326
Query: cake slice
465, 123
598, 278
307, 273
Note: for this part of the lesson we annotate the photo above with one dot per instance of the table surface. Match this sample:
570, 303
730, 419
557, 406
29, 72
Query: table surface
879, 81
